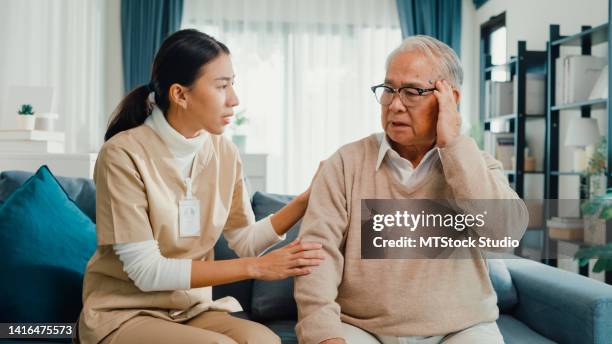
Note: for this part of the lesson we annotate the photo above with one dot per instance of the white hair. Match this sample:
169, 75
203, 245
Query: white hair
448, 61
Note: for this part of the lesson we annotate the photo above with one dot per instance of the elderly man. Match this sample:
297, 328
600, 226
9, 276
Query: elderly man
420, 155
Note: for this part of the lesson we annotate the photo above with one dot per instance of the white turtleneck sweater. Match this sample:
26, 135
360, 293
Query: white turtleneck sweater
143, 261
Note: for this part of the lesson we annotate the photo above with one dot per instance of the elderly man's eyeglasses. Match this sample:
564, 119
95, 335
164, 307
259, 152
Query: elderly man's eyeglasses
408, 95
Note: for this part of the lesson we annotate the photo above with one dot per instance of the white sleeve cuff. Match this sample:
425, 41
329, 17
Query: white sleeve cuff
253, 240
150, 271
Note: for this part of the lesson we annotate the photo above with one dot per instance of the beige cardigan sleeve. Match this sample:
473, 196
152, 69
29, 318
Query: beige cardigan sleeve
325, 222
477, 182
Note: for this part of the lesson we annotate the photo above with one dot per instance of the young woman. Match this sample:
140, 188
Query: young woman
168, 186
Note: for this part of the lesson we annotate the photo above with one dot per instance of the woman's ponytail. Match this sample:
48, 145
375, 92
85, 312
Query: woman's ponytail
131, 112
179, 60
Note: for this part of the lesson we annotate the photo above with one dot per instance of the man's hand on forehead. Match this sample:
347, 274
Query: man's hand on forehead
448, 125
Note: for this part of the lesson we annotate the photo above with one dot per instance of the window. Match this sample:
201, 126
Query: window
493, 35
303, 74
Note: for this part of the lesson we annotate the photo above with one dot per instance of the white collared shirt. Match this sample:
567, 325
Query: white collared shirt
402, 168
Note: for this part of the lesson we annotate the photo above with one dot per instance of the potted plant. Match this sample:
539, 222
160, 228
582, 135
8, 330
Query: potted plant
593, 185
25, 117
238, 134
595, 173
598, 207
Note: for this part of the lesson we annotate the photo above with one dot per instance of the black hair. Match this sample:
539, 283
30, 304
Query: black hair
178, 60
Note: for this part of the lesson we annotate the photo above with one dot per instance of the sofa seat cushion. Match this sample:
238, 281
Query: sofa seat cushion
45, 244
515, 332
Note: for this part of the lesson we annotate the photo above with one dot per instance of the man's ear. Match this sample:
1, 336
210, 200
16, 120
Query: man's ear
457, 95
177, 95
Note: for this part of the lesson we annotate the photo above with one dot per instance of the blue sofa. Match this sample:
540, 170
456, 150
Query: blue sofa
538, 304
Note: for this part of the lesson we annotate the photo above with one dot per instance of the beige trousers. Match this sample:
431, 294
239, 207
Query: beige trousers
211, 327
485, 333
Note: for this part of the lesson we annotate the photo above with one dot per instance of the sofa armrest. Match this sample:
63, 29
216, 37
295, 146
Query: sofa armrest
563, 306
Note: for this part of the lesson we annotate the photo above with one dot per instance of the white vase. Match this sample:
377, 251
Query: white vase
26, 122
597, 185
45, 121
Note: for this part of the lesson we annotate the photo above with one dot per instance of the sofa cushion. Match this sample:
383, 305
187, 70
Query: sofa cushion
285, 329
515, 332
273, 300
45, 243
81, 190
502, 283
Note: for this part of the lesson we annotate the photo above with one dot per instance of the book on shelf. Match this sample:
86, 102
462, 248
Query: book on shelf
600, 89
576, 76
535, 93
504, 150
566, 228
499, 98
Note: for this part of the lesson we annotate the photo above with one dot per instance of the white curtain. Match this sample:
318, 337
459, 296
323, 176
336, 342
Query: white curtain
60, 44
303, 74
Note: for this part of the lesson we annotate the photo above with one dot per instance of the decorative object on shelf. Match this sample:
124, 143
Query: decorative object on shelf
584, 132
566, 228
238, 134
45, 121
596, 211
529, 162
595, 172
25, 117
504, 151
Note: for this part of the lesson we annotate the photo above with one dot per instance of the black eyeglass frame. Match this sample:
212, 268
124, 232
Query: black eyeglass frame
420, 91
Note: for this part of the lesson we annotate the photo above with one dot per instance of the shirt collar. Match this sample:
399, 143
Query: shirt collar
385, 147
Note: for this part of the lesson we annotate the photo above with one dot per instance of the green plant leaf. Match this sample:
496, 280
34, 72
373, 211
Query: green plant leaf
606, 213
590, 207
583, 261
601, 264
603, 253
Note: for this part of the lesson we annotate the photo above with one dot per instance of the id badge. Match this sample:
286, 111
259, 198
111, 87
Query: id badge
189, 218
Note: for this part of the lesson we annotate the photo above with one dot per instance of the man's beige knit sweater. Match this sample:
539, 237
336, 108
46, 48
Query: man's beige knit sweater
394, 297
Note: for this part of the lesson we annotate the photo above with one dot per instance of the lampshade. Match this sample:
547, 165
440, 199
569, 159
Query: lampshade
582, 131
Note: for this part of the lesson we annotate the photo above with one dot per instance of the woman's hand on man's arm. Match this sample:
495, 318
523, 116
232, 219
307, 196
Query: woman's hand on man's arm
295, 259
